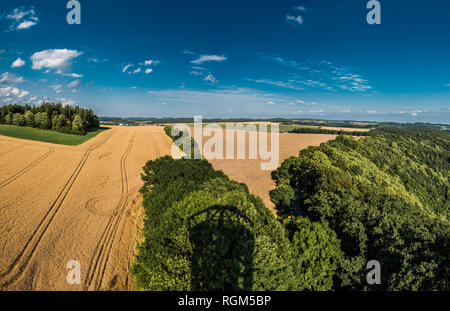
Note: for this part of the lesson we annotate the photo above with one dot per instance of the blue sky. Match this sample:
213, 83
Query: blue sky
294, 59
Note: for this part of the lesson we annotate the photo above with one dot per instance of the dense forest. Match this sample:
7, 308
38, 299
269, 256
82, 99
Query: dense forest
386, 197
340, 205
204, 231
312, 130
49, 116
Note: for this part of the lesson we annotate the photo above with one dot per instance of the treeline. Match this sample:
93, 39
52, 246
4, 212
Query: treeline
50, 116
117, 121
312, 130
204, 231
385, 196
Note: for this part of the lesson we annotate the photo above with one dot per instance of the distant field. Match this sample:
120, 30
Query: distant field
59, 203
46, 135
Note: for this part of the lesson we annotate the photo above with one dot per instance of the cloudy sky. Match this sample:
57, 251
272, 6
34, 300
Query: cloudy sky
295, 59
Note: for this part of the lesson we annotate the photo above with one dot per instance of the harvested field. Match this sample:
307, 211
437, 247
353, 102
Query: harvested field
60, 203
249, 171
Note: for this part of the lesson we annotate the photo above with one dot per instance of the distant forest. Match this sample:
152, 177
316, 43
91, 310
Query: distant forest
50, 116
312, 130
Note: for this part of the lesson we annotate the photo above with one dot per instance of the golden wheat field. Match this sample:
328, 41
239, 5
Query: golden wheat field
61, 203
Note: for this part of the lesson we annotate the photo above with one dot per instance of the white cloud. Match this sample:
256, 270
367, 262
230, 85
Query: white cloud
187, 52
73, 75
371, 111
298, 101
284, 84
300, 8
18, 63
25, 25
22, 19
270, 102
447, 85
23, 94
126, 68
74, 84
66, 101
352, 82
415, 113
210, 78
57, 88
196, 73
292, 18
323, 74
10, 92
209, 58
97, 60
10, 78
149, 70
137, 70
151, 62
60, 59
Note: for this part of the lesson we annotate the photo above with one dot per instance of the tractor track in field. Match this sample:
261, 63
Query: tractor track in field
20, 263
9, 180
99, 261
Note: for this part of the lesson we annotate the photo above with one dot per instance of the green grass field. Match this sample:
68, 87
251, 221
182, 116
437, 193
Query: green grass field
47, 136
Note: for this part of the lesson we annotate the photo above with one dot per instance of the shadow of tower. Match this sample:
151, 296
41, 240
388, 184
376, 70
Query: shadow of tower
222, 249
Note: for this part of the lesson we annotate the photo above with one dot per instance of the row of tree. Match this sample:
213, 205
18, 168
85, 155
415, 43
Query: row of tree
313, 130
386, 196
50, 116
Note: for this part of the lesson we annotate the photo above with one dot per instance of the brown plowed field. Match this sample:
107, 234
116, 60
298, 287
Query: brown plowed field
61, 203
